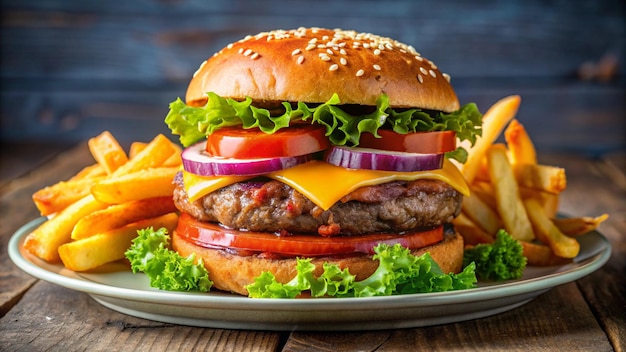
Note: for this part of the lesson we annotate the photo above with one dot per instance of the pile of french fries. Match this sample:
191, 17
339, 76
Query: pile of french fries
94, 216
510, 190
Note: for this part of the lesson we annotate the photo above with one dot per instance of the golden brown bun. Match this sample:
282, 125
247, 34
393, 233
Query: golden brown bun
310, 64
233, 273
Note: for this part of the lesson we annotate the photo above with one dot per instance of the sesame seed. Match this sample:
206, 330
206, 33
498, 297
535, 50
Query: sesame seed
423, 70
343, 51
419, 58
199, 68
432, 73
343, 61
366, 45
420, 78
313, 41
296, 52
300, 60
324, 57
230, 46
446, 76
310, 47
330, 52
254, 56
360, 73
333, 67
241, 50
376, 67
377, 52
321, 46
247, 52
432, 65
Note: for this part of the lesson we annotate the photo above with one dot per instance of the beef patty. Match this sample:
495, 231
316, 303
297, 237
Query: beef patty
272, 206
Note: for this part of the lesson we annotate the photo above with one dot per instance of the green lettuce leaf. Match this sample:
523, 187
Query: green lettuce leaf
193, 124
399, 272
166, 269
501, 260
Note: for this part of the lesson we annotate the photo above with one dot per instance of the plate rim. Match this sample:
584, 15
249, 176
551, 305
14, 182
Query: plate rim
224, 300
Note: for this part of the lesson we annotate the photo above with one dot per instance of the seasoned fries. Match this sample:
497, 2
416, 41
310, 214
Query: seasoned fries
541, 177
107, 152
149, 183
548, 233
118, 215
53, 199
521, 147
106, 247
494, 121
95, 214
574, 227
44, 242
508, 201
511, 189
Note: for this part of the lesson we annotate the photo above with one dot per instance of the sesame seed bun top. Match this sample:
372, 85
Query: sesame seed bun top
311, 64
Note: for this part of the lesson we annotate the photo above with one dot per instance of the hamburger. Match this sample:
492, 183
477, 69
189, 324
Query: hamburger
317, 143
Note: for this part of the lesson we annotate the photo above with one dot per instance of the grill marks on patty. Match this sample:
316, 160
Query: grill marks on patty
272, 206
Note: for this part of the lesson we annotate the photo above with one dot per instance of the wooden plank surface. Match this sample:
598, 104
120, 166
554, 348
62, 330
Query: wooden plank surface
52, 318
71, 69
547, 321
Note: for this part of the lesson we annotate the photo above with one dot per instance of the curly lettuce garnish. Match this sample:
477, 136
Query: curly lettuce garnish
166, 269
399, 272
501, 260
195, 123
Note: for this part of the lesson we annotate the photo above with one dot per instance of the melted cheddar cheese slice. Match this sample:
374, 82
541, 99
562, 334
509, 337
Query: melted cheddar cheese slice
325, 184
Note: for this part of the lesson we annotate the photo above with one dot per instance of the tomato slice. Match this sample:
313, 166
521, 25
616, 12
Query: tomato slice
212, 235
417, 142
238, 143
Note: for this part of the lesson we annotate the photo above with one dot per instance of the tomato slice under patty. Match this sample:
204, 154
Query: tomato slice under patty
417, 142
211, 235
238, 143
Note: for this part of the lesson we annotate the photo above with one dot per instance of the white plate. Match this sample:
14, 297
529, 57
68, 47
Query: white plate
128, 293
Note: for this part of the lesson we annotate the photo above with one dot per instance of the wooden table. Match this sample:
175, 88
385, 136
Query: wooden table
586, 315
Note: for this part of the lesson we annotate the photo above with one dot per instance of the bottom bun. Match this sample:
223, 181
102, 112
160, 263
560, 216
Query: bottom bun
231, 272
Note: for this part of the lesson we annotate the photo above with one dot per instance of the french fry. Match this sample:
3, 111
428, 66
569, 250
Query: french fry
52, 199
46, 239
481, 214
107, 151
135, 148
508, 201
148, 183
89, 172
471, 233
484, 191
494, 121
173, 160
548, 233
550, 201
153, 155
541, 177
118, 215
541, 255
92, 252
521, 147
574, 227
